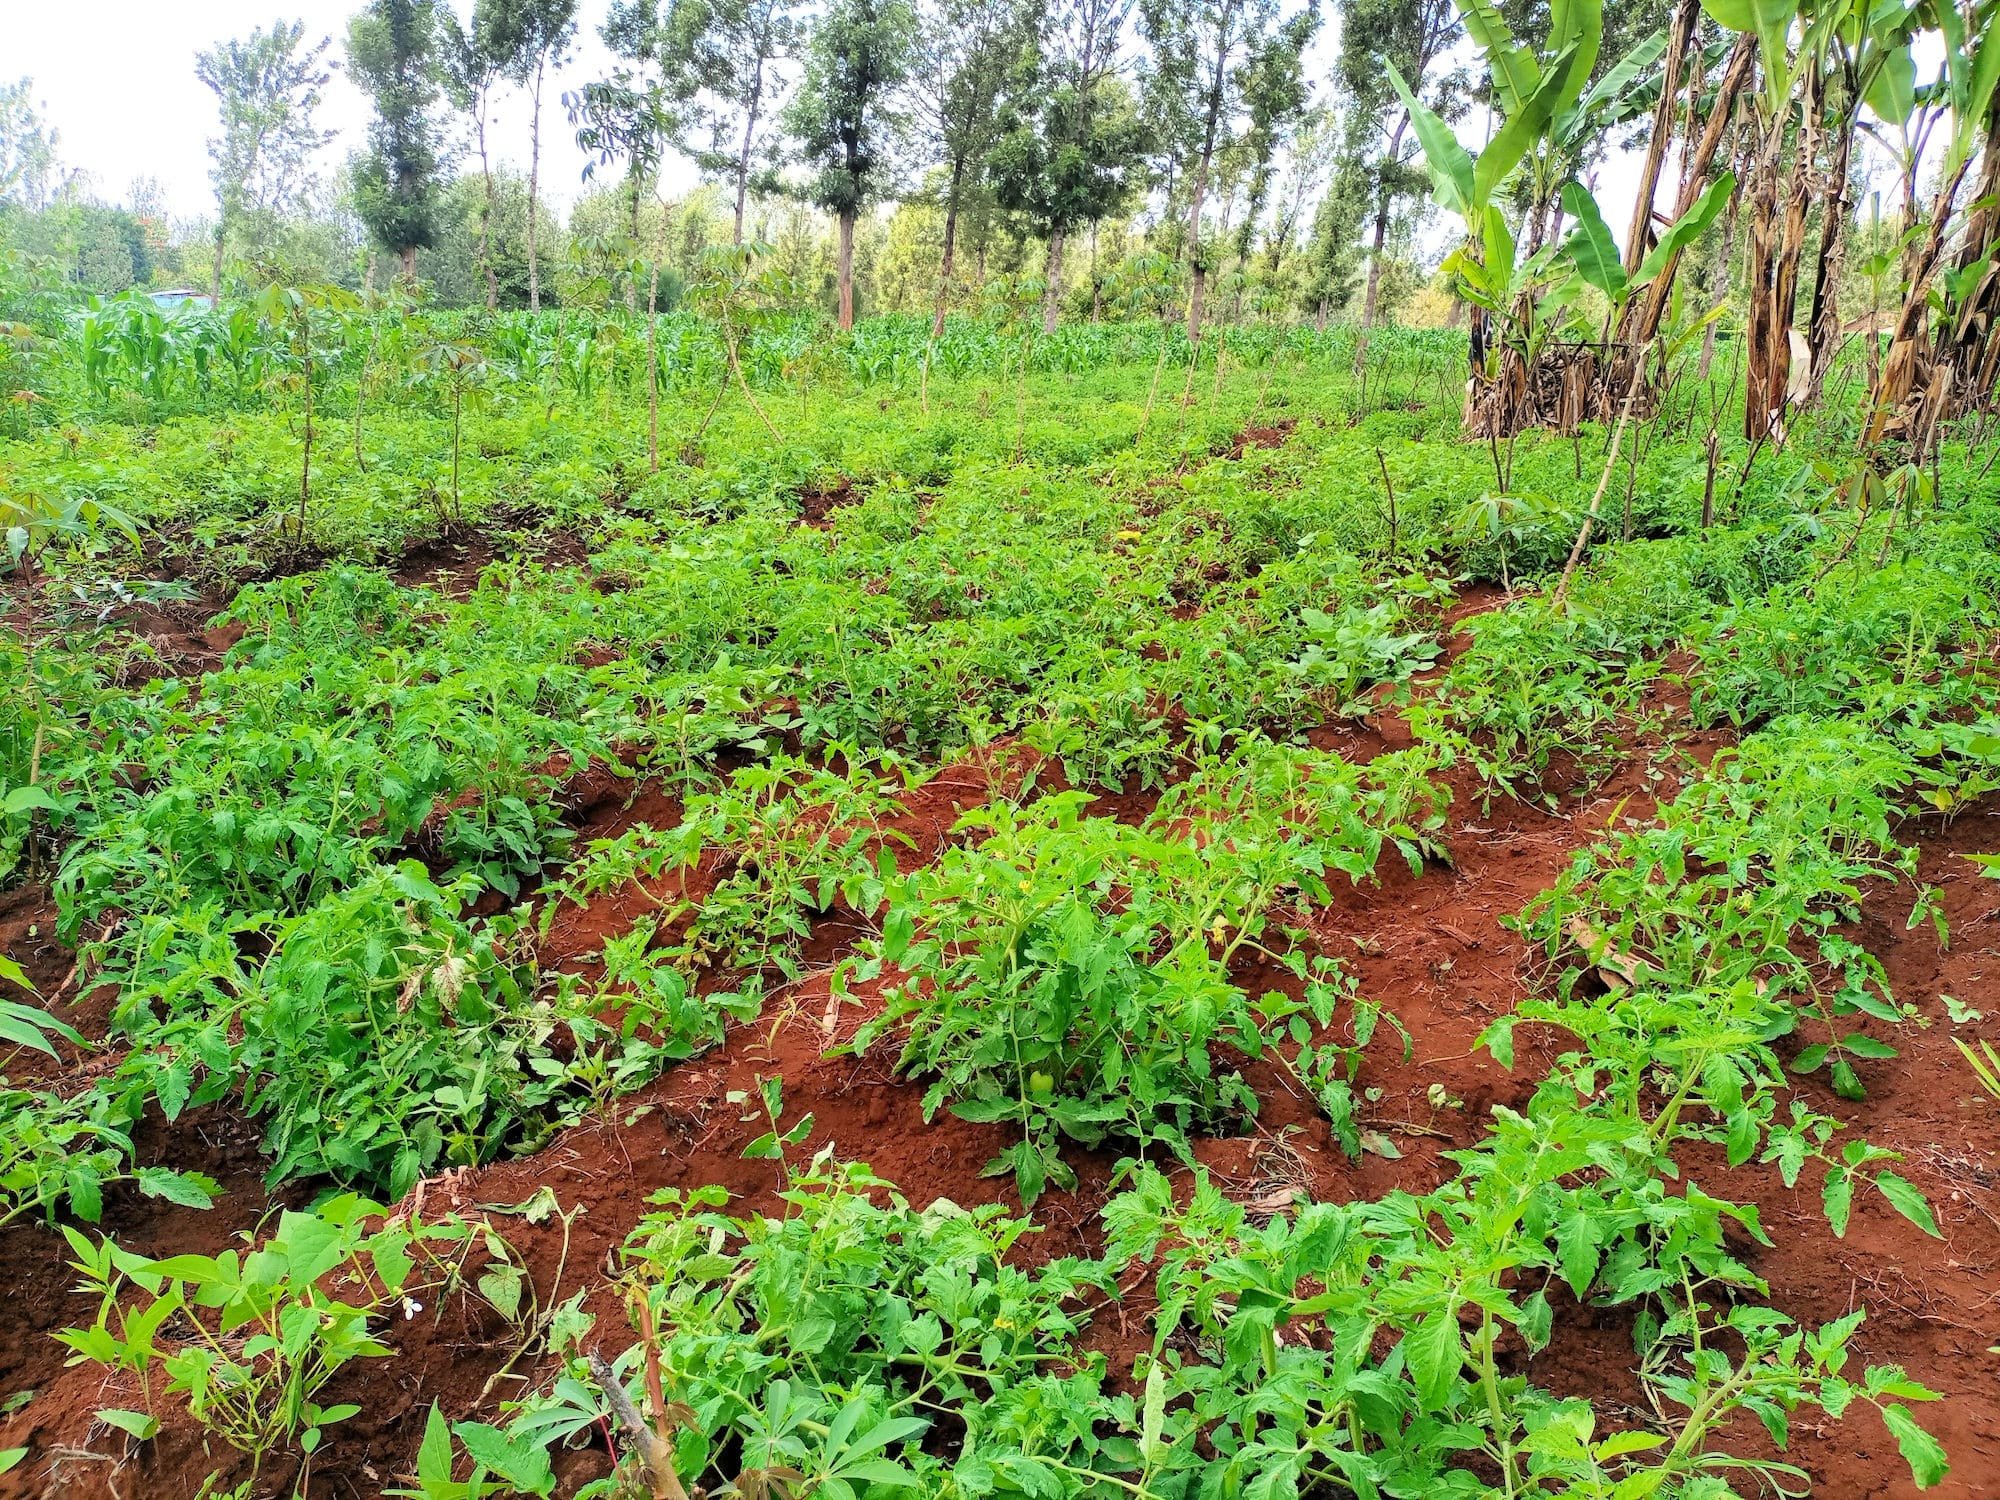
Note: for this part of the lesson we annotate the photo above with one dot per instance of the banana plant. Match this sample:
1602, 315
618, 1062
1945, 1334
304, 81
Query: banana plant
1592, 251
1800, 49
1581, 111
1868, 44
1532, 91
1548, 108
1965, 96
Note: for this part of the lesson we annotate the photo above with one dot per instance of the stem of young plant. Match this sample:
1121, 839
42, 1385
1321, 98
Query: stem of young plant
1489, 1382
306, 451
653, 369
1389, 488
729, 342
1153, 390
656, 1457
360, 393
1596, 501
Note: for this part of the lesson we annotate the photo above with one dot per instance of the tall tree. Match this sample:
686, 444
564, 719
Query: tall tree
1377, 167
1275, 95
1333, 254
29, 172
1072, 144
1207, 57
856, 57
1613, 51
475, 58
392, 53
267, 87
546, 29
968, 51
721, 62
1308, 157
628, 117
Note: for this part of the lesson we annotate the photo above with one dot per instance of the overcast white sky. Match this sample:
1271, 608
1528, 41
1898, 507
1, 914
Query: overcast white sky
117, 77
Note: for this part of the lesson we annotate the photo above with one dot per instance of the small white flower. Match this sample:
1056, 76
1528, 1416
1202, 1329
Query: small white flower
411, 1307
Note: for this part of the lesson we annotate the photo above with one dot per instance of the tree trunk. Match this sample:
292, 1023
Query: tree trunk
534, 189
844, 269
409, 256
1969, 345
1052, 278
1897, 382
1197, 269
1639, 239
1776, 245
215, 272
486, 217
1371, 298
743, 156
1823, 330
1641, 318
950, 245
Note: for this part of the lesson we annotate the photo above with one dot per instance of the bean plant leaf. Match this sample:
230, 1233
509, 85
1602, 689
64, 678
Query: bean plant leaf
143, 1425
501, 1285
434, 1458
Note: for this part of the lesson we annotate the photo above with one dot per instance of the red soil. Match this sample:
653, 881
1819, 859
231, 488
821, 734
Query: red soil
818, 501
1271, 436
1430, 948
